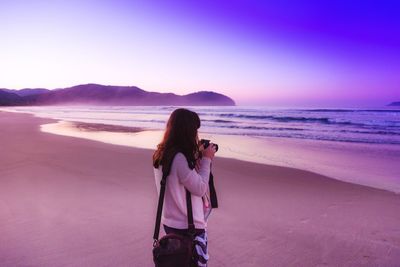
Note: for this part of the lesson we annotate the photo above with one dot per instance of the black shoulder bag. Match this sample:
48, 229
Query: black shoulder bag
174, 250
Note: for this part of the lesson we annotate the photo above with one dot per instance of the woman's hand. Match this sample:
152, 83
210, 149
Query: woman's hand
209, 152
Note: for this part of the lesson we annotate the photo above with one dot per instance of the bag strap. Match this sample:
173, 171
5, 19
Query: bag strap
159, 208
213, 193
190, 213
161, 203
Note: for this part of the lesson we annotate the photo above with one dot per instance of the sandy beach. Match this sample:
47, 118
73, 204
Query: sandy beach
68, 201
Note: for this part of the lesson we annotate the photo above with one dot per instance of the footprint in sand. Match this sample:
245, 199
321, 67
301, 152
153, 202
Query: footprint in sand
332, 206
305, 220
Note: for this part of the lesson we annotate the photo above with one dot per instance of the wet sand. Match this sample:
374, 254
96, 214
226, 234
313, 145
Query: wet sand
67, 201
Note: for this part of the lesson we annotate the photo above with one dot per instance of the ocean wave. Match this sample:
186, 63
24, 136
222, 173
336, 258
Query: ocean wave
255, 128
332, 138
370, 132
351, 110
316, 120
219, 121
285, 118
340, 125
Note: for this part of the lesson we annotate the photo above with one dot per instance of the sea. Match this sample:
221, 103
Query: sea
358, 145
372, 126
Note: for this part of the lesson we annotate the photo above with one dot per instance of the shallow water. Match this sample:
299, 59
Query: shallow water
357, 146
376, 126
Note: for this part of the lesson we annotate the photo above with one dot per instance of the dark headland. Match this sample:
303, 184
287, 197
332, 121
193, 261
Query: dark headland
394, 104
96, 94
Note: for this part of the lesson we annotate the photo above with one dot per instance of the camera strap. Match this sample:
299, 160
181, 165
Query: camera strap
161, 203
213, 193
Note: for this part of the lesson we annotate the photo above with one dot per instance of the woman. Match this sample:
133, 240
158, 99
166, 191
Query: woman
188, 171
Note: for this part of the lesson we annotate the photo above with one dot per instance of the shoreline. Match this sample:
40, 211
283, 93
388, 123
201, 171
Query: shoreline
373, 165
362, 164
96, 127
74, 202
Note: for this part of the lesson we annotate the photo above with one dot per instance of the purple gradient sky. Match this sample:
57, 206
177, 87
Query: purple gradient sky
343, 53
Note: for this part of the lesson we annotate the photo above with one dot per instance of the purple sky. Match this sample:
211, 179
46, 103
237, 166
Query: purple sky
343, 53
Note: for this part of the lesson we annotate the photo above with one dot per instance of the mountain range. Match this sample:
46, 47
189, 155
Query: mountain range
97, 94
394, 104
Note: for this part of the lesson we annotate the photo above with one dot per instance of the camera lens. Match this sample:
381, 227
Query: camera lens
216, 147
205, 143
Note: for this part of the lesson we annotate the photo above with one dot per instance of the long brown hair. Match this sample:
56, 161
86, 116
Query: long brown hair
180, 136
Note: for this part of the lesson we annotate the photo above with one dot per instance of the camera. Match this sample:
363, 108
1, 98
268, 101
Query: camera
206, 143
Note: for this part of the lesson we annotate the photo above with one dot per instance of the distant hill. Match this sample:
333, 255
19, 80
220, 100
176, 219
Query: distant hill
394, 104
9, 99
28, 91
96, 94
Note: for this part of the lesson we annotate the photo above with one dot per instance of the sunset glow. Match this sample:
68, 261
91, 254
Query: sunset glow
317, 54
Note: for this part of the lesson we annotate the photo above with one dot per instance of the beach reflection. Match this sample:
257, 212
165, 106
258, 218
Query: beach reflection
365, 164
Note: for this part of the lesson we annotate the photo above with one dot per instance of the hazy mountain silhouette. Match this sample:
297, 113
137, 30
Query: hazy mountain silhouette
394, 104
27, 91
9, 99
96, 94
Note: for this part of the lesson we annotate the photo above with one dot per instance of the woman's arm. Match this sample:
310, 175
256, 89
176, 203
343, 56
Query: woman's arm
194, 181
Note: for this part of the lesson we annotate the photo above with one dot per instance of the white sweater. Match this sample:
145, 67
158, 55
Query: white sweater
181, 176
